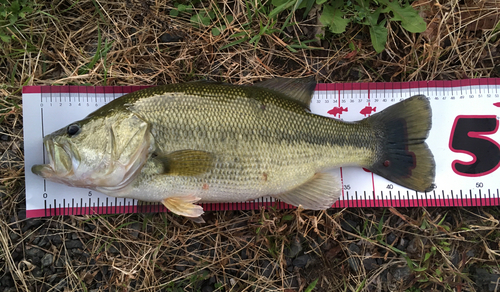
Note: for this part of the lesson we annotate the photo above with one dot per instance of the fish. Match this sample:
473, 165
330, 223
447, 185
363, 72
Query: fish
187, 143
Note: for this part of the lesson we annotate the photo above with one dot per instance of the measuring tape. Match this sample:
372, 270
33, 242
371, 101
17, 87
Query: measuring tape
464, 140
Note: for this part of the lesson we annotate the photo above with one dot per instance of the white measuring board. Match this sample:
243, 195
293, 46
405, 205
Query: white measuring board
464, 139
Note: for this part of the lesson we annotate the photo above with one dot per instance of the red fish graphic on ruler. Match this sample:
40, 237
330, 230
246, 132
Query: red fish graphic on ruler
495, 104
337, 110
368, 110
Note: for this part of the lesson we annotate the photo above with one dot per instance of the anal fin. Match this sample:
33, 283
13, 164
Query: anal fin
318, 193
184, 205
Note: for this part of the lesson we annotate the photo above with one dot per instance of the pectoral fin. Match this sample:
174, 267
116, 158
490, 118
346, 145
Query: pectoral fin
186, 162
184, 205
318, 193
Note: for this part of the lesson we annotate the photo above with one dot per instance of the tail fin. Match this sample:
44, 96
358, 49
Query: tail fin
403, 157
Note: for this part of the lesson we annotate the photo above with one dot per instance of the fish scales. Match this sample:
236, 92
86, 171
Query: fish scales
261, 145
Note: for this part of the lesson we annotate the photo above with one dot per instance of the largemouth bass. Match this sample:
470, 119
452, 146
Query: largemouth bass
181, 144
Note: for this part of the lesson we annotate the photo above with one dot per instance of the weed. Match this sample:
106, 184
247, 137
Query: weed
11, 12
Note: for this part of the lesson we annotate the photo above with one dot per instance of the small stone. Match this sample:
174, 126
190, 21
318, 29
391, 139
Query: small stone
47, 260
71, 244
112, 249
348, 225
169, 38
354, 248
60, 286
404, 242
416, 245
43, 241
59, 263
34, 253
493, 284
354, 263
455, 258
295, 247
401, 274
243, 254
37, 272
391, 238
301, 261
181, 266
470, 253
21, 215
52, 278
32, 224
6, 281
289, 264
13, 236
208, 288
268, 268
134, 230
55, 239
370, 264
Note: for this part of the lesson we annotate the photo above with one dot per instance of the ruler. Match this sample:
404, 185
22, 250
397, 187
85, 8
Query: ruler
464, 140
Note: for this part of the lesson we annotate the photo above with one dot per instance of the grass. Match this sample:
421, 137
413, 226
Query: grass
141, 43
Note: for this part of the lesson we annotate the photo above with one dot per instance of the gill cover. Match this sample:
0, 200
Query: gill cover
106, 155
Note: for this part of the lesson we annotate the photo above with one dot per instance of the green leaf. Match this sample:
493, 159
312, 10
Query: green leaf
287, 217
5, 38
174, 12
217, 30
182, 7
427, 256
378, 35
277, 3
311, 286
205, 21
13, 18
410, 20
280, 8
234, 43
319, 2
15, 7
308, 5
332, 17
229, 18
238, 34
255, 39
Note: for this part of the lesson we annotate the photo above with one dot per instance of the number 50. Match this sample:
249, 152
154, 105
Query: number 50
467, 136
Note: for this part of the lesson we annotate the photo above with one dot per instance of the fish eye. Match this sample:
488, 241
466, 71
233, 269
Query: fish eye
73, 129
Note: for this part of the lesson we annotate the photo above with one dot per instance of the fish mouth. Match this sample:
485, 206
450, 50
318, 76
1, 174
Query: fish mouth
61, 161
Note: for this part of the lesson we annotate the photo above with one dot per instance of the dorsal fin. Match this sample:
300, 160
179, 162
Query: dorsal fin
298, 89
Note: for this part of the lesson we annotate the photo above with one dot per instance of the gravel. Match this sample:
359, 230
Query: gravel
301, 261
47, 260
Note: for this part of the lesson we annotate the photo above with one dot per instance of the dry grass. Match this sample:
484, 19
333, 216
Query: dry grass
138, 43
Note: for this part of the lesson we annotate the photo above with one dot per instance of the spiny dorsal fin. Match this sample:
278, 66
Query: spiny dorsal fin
298, 89
186, 162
